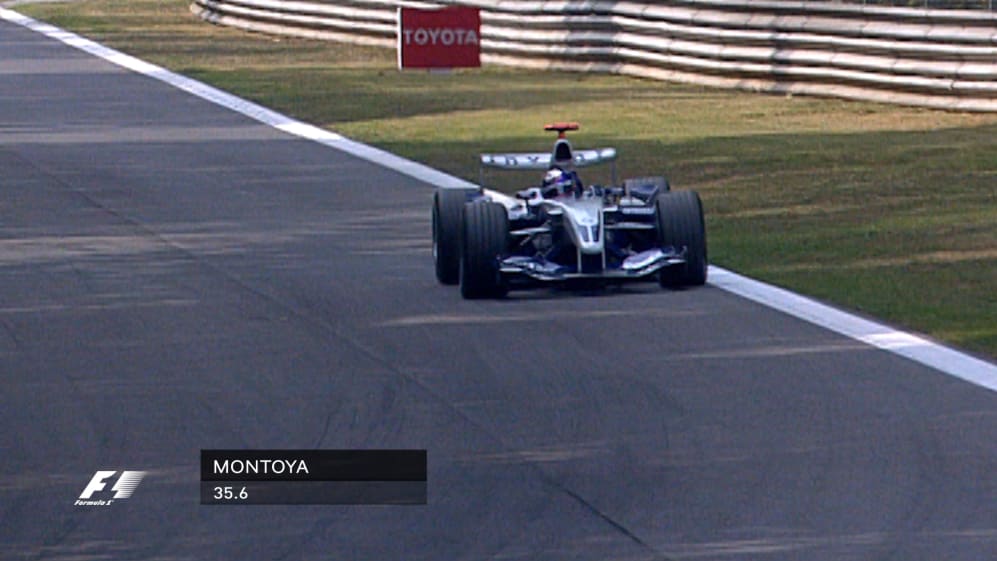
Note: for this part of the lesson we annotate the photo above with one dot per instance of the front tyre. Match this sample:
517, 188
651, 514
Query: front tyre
448, 216
681, 226
485, 235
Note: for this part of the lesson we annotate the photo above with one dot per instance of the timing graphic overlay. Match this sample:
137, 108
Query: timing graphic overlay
331, 477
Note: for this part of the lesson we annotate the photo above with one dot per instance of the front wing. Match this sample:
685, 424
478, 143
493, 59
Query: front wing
634, 268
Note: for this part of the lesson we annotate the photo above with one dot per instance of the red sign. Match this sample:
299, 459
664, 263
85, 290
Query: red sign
443, 38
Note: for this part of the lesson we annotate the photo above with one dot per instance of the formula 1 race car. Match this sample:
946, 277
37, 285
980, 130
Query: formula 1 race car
564, 232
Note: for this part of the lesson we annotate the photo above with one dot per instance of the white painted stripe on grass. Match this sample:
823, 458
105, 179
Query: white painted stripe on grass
905, 344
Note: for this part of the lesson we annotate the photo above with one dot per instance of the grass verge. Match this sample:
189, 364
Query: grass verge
889, 211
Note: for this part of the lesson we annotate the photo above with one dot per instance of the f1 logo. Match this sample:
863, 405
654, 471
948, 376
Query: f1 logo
123, 488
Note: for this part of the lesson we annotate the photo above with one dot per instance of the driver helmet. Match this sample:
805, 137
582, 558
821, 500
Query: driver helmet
557, 182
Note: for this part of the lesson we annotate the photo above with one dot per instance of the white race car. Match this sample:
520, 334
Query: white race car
562, 231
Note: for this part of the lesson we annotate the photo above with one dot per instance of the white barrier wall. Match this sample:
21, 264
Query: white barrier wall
932, 58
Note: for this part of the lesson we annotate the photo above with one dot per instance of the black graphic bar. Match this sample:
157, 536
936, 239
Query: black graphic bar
332, 477
313, 465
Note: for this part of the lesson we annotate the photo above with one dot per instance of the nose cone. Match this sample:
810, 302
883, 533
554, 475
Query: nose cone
585, 226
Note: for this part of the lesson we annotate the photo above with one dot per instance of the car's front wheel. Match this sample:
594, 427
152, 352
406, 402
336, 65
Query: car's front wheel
681, 226
485, 236
448, 216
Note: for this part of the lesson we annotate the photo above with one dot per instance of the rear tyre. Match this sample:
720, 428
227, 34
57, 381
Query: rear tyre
448, 216
681, 226
485, 235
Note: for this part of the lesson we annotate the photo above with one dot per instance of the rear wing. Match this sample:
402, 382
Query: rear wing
543, 160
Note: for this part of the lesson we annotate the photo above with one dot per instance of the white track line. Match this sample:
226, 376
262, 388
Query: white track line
918, 349
901, 343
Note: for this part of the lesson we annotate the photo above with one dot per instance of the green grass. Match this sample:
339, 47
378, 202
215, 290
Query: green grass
886, 210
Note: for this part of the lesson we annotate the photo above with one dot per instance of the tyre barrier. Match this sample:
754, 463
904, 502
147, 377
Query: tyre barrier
944, 59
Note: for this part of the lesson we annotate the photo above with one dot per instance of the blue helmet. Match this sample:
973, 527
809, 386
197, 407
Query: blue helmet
557, 182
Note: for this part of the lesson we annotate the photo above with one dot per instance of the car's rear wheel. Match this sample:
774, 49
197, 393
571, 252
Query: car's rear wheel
448, 216
485, 236
681, 226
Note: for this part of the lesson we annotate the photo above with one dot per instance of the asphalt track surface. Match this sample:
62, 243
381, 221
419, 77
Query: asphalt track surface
174, 276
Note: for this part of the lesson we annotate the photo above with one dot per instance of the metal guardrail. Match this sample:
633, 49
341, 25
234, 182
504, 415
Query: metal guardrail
933, 58
930, 4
